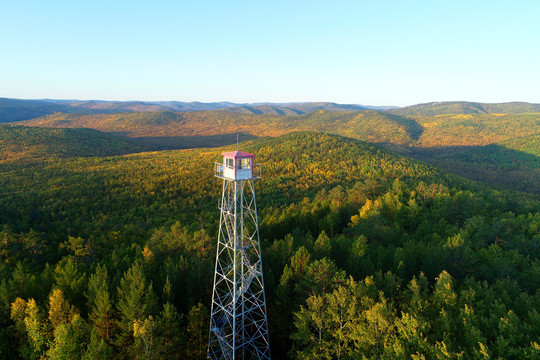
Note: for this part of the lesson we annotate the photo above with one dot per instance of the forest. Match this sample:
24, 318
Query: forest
367, 254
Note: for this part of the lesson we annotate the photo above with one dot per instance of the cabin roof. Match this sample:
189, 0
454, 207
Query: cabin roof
237, 154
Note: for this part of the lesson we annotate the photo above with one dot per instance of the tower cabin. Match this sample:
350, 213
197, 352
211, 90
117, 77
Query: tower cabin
237, 165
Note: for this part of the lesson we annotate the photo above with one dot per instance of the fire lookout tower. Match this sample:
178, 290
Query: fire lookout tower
238, 321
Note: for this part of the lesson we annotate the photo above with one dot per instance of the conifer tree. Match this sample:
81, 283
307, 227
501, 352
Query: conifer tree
135, 302
99, 303
97, 348
71, 281
322, 247
69, 340
170, 334
78, 248
197, 332
22, 280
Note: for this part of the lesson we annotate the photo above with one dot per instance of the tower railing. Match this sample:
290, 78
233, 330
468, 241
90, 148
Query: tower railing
220, 167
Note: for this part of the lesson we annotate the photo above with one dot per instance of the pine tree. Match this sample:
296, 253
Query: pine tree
69, 340
22, 281
197, 332
99, 303
135, 302
97, 349
71, 281
78, 248
169, 335
322, 247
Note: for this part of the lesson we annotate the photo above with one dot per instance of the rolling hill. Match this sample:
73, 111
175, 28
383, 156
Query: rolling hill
366, 125
418, 131
19, 143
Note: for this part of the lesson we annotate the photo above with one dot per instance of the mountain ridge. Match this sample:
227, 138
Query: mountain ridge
465, 107
12, 110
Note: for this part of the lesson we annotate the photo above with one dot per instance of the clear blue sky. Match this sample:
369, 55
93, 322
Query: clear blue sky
364, 52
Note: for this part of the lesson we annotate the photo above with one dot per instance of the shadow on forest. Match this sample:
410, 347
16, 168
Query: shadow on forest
188, 142
413, 128
493, 164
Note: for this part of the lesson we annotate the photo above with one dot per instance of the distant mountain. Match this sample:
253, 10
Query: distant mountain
18, 109
193, 105
114, 106
465, 107
263, 109
29, 143
326, 106
300, 108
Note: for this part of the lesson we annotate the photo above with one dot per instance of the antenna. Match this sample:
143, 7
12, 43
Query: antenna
236, 141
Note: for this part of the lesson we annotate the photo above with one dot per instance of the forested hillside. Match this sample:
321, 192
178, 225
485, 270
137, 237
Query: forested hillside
367, 125
27, 143
512, 163
468, 130
366, 253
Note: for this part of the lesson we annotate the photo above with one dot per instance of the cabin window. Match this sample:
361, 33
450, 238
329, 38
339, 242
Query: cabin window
243, 164
229, 163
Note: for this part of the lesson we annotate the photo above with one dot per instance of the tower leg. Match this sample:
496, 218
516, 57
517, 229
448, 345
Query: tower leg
238, 321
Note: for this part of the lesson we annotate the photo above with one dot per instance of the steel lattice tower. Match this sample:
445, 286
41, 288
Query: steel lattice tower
238, 321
